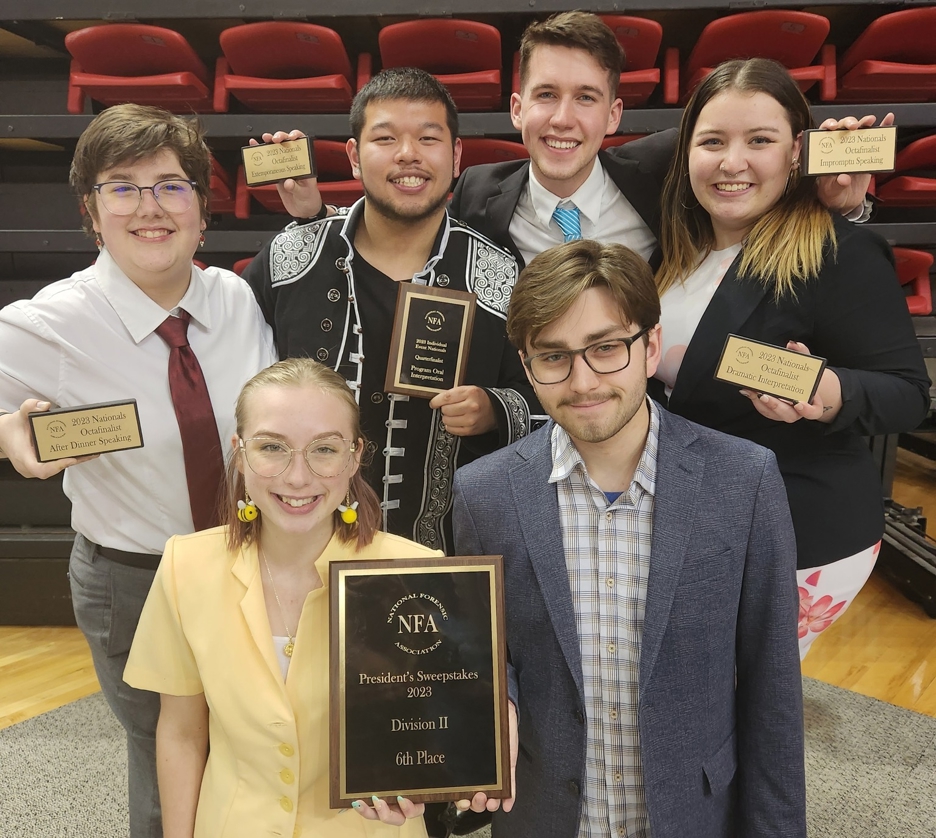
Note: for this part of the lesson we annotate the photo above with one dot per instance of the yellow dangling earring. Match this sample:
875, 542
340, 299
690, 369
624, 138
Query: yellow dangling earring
348, 510
247, 510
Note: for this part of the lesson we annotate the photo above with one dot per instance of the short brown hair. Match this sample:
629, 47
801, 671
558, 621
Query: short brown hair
129, 133
575, 30
300, 372
552, 282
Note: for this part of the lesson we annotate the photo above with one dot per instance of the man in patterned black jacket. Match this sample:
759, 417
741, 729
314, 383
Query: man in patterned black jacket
328, 288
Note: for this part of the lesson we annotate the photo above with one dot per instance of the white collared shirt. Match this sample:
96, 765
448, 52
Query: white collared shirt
606, 216
91, 338
607, 548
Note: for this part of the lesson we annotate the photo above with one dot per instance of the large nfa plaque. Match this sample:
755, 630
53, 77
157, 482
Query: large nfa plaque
418, 698
430, 342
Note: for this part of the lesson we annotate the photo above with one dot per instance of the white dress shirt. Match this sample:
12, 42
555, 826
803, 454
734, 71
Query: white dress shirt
606, 215
90, 338
607, 548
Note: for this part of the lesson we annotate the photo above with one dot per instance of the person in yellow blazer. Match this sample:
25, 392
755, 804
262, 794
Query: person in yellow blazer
234, 633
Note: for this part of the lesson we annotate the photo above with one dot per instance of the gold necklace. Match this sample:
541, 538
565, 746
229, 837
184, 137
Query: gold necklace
291, 638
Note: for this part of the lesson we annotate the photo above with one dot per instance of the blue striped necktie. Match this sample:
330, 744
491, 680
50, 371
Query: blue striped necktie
569, 222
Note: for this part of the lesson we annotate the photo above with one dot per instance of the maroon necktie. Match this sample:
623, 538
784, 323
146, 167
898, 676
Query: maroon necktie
201, 445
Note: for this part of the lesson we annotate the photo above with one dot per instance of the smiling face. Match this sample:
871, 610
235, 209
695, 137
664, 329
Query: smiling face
740, 156
563, 113
297, 502
154, 248
405, 158
595, 408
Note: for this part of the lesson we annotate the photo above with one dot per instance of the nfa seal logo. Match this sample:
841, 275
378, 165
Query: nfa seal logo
743, 354
257, 158
826, 145
56, 429
415, 620
435, 320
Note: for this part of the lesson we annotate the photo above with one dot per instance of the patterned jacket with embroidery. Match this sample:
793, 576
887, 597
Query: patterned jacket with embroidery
305, 281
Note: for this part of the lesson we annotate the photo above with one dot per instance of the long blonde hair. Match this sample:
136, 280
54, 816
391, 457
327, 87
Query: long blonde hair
299, 372
788, 243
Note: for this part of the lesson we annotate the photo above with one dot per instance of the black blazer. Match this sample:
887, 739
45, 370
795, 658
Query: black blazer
855, 315
486, 196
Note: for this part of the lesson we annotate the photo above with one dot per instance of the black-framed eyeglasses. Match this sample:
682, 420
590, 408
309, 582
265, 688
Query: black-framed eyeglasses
119, 197
269, 457
604, 358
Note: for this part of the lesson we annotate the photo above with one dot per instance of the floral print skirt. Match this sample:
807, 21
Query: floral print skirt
826, 592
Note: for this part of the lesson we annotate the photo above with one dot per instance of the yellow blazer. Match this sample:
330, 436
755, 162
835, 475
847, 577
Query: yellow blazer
204, 629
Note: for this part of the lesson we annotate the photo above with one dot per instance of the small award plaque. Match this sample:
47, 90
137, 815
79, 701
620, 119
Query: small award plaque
430, 341
418, 698
272, 162
86, 429
764, 368
862, 150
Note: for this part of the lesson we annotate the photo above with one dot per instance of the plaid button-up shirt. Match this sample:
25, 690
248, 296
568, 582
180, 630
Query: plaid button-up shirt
607, 549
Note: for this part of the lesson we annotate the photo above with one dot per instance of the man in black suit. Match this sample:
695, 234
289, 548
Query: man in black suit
570, 67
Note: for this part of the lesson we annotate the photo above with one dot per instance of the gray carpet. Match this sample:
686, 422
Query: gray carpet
871, 771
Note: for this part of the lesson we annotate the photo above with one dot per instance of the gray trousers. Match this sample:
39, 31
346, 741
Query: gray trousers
108, 599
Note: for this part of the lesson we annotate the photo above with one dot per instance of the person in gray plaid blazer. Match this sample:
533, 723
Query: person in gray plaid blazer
650, 584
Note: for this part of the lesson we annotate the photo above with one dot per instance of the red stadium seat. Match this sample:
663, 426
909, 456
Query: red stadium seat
913, 271
477, 150
893, 60
221, 199
462, 54
619, 139
241, 264
336, 184
641, 40
283, 67
132, 62
913, 182
792, 38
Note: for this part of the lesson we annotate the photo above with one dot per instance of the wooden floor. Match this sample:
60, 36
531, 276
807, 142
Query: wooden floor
884, 646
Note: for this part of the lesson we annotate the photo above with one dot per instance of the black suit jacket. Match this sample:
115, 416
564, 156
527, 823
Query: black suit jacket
486, 196
854, 315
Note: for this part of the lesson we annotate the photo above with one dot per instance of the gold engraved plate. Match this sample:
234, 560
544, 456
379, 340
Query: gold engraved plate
86, 429
862, 150
272, 162
765, 368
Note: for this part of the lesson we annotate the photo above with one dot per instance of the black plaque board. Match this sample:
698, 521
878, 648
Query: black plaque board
418, 698
430, 341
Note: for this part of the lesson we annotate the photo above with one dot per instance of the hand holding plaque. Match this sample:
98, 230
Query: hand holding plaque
86, 429
273, 162
787, 375
430, 341
851, 152
418, 680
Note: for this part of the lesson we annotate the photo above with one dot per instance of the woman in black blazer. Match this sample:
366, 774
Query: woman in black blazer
749, 250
